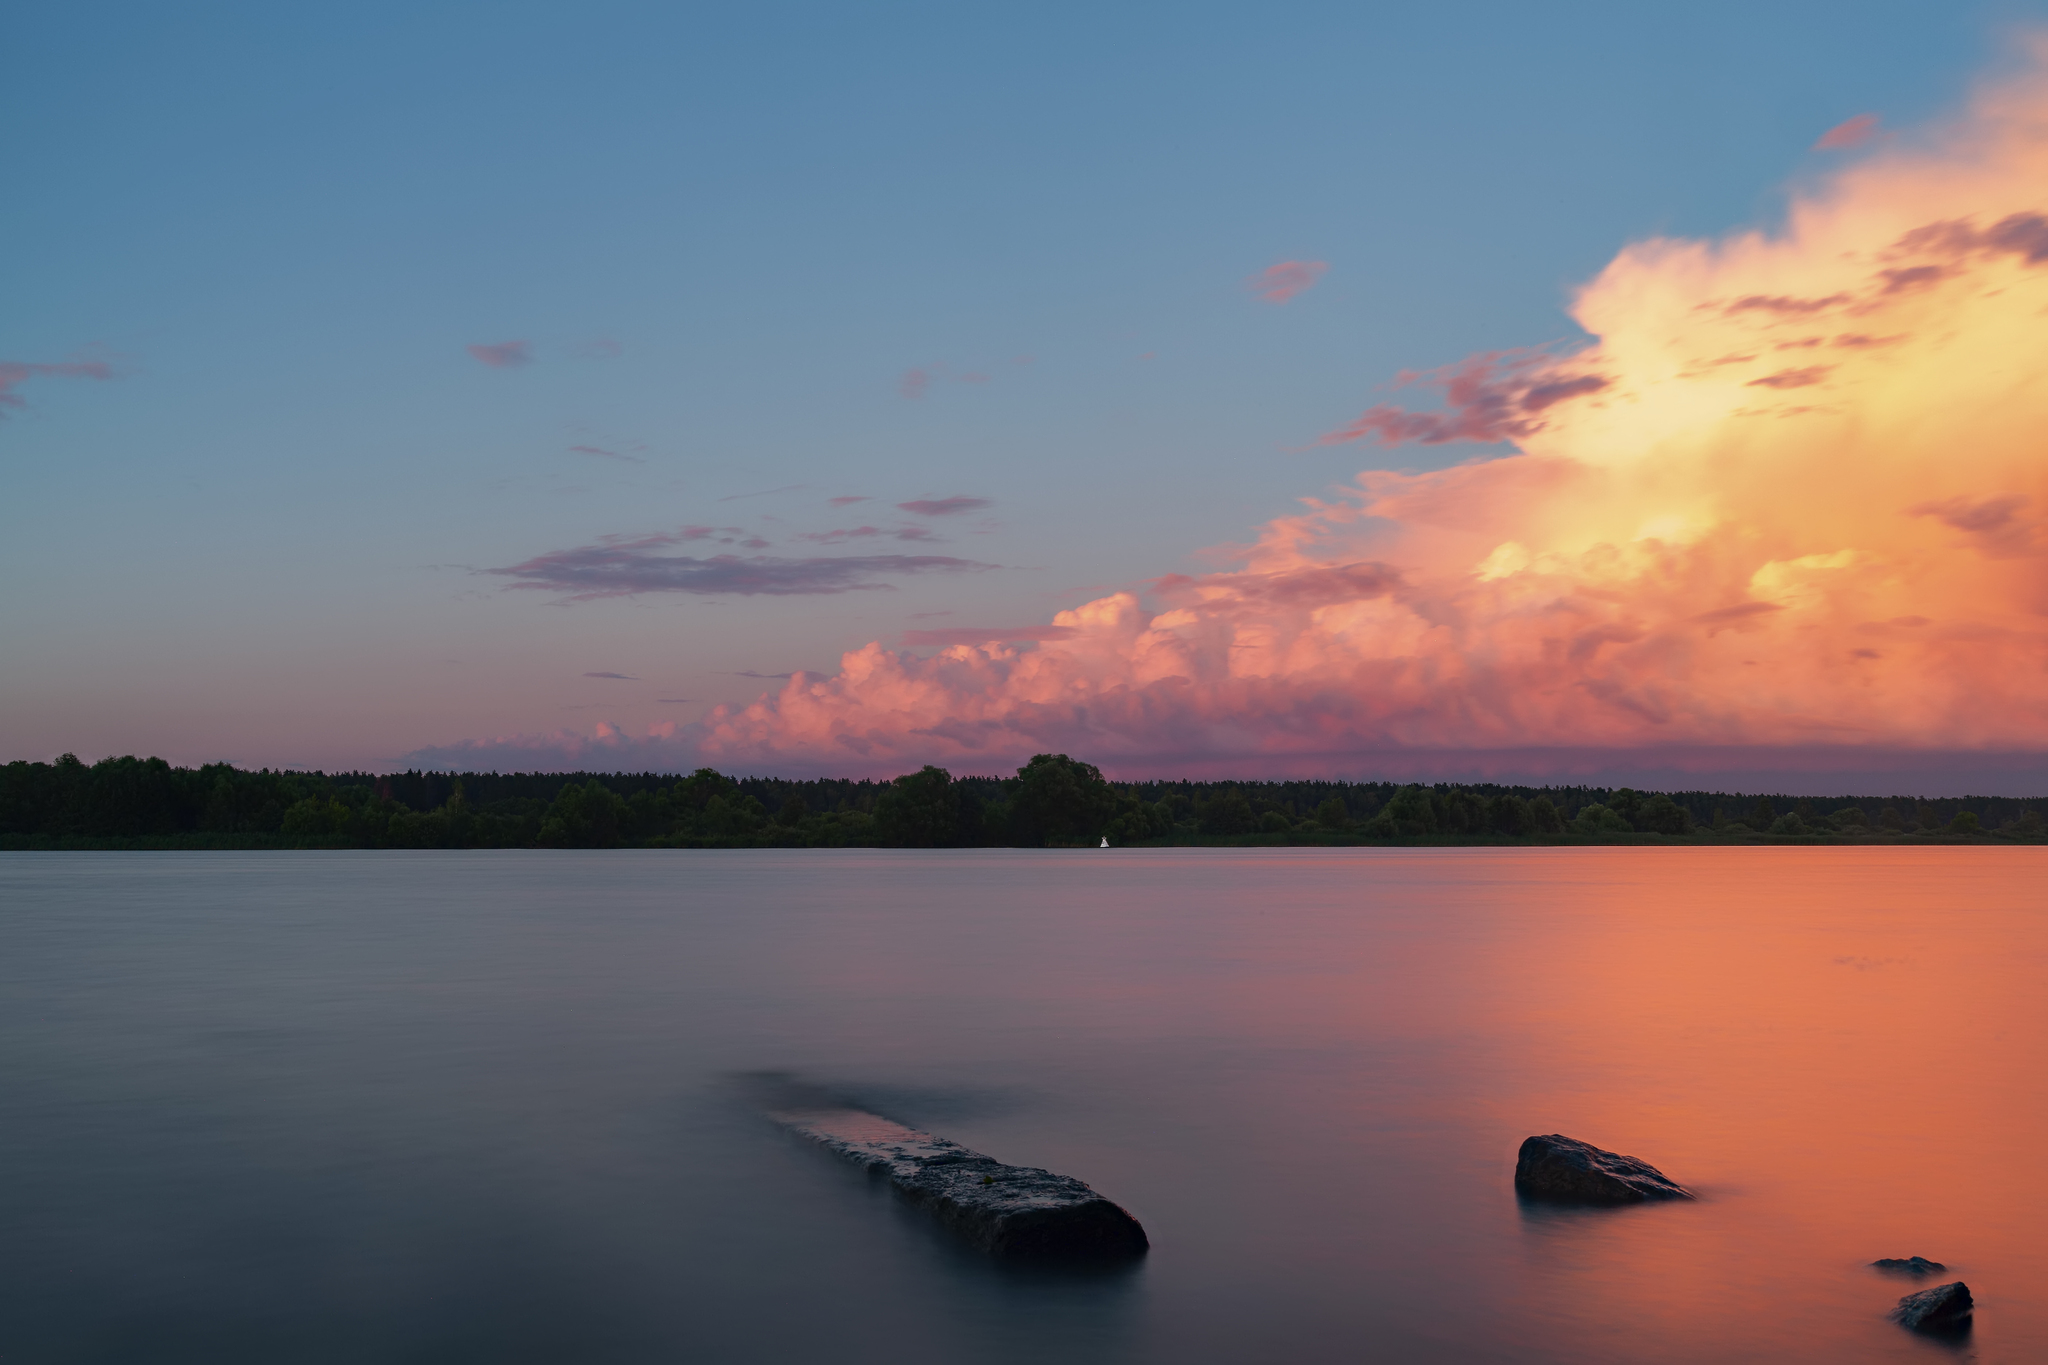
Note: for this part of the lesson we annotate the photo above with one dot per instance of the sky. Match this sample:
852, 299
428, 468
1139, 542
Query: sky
1200, 390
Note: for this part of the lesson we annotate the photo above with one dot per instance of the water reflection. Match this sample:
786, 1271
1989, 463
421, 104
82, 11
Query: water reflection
449, 1106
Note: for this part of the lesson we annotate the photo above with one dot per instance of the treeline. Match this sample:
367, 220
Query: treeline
1052, 800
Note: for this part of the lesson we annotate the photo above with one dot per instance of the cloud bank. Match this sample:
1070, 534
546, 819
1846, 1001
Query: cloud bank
1789, 502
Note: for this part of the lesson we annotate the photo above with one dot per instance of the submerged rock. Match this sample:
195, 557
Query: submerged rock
1943, 1308
1017, 1211
1562, 1168
1911, 1265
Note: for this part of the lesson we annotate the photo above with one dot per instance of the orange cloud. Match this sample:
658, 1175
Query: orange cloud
1279, 283
1653, 567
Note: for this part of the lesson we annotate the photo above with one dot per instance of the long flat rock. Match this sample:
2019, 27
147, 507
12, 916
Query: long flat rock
1011, 1211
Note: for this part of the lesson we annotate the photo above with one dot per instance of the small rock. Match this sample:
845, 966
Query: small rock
1942, 1308
1562, 1168
1911, 1265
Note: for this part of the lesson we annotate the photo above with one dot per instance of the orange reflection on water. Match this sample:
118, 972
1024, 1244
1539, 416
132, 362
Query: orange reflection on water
1841, 1050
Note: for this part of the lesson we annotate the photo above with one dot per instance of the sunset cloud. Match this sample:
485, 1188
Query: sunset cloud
1652, 570
621, 677
621, 566
1852, 132
500, 355
1493, 397
1279, 283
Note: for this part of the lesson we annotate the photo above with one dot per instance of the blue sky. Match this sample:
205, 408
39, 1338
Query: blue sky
725, 236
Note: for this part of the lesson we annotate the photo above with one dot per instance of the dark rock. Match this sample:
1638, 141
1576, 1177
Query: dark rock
1565, 1169
1017, 1211
1944, 1308
1911, 1265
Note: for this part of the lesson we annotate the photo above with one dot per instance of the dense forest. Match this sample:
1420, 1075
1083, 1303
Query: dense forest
1051, 801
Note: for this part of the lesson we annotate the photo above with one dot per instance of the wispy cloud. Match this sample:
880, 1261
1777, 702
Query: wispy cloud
869, 533
944, 507
14, 373
750, 673
1848, 133
622, 677
917, 381
500, 355
602, 453
621, 566
847, 502
1279, 283
765, 492
674, 701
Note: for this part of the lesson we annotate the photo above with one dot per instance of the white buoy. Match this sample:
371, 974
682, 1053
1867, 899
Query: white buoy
1105, 841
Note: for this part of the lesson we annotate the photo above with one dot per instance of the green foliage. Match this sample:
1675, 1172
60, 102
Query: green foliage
1053, 799
1661, 815
926, 810
1059, 801
587, 816
1224, 812
1597, 819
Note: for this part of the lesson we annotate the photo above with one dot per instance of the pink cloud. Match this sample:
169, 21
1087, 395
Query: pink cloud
914, 382
14, 373
846, 502
944, 507
1279, 283
1848, 133
500, 355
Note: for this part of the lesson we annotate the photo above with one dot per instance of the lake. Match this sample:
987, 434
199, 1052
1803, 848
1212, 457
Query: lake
437, 1106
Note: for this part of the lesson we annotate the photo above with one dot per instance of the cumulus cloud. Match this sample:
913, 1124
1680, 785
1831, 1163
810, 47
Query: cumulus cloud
623, 566
1852, 132
15, 373
500, 355
944, 507
1279, 283
1652, 570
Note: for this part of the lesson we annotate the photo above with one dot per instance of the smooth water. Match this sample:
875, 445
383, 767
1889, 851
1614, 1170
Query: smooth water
445, 1107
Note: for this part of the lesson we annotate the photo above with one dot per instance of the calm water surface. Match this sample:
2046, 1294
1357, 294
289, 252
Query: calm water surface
479, 1107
